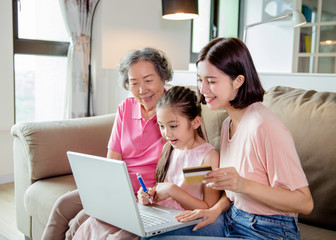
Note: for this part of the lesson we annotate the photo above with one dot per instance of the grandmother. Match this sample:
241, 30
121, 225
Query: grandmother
135, 136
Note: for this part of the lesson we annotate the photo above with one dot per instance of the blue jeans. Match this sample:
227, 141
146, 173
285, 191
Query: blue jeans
215, 229
239, 224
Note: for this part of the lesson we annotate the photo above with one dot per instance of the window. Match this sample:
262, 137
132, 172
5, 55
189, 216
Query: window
217, 18
41, 44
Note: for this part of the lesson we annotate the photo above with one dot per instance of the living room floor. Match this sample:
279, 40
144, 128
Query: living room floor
8, 229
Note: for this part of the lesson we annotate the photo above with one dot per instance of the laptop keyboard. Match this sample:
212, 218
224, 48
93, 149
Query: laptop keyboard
150, 220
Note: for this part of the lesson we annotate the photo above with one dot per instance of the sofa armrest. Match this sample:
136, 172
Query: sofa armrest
43, 145
40, 151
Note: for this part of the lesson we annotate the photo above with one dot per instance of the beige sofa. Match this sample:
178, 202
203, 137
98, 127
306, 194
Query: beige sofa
42, 171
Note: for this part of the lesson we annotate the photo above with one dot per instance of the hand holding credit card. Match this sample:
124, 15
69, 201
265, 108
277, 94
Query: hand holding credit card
195, 174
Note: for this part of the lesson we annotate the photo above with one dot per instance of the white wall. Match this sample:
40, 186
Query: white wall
271, 47
270, 44
121, 26
318, 82
6, 92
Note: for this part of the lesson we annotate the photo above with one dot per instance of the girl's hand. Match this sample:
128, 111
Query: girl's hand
225, 179
143, 197
209, 216
163, 190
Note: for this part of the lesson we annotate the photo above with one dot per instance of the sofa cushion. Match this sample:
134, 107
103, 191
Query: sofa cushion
212, 121
40, 197
311, 118
309, 232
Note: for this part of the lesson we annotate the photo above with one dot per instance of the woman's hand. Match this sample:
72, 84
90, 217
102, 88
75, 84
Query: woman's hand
209, 216
297, 201
225, 179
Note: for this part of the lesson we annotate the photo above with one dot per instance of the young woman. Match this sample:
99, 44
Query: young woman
135, 136
179, 119
260, 172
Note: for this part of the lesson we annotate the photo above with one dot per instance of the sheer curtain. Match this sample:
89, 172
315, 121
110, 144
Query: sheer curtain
78, 16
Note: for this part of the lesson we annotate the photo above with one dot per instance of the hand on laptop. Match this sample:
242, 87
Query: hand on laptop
208, 217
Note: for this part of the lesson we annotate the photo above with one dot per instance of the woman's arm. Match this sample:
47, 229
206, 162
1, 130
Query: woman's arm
209, 216
299, 200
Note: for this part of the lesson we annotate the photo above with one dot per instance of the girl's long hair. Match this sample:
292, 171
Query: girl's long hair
184, 101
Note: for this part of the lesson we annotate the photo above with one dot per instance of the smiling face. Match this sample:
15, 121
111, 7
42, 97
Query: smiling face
145, 84
176, 129
217, 87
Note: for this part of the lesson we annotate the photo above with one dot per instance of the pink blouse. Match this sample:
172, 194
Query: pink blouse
262, 149
180, 159
137, 140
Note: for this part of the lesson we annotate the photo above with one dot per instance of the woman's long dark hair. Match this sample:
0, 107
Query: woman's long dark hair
184, 101
231, 56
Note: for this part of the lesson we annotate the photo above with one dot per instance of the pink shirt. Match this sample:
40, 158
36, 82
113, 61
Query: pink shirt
262, 149
137, 140
180, 159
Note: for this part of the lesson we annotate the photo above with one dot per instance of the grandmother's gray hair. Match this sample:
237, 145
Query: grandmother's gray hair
155, 56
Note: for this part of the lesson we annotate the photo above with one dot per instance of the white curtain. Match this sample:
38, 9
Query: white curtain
78, 16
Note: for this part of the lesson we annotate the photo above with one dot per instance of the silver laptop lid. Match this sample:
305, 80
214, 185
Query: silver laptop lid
96, 195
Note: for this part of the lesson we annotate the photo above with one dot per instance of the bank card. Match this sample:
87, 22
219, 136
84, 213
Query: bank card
195, 174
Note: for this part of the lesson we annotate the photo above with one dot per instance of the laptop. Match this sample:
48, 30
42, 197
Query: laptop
106, 192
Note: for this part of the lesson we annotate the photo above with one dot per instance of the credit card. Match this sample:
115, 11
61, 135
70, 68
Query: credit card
195, 174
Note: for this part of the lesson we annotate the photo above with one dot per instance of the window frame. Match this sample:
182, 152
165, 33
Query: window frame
35, 47
194, 55
214, 22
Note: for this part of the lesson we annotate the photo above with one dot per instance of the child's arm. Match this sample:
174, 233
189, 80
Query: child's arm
211, 196
298, 201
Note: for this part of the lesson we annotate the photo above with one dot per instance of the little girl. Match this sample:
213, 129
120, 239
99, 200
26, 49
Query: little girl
179, 119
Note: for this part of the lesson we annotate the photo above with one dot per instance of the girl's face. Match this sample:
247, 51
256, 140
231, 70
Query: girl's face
176, 129
217, 87
145, 84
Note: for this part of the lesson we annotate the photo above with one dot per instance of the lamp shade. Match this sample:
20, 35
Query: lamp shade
179, 9
298, 19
